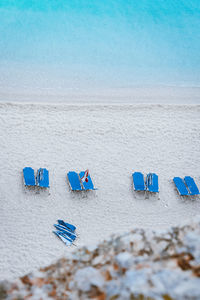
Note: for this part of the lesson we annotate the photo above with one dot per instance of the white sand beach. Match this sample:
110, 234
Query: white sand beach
112, 141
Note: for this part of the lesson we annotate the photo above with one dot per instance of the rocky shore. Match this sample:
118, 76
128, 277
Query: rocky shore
141, 264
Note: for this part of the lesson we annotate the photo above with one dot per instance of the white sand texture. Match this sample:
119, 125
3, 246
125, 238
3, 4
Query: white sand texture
112, 141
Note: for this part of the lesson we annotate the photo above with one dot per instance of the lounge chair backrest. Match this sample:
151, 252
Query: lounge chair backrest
180, 186
29, 177
152, 183
63, 229
67, 225
74, 181
193, 189
138, 181
86, 185
42, 178
67, 241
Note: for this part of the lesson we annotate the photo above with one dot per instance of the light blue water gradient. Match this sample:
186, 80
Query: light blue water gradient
103, 42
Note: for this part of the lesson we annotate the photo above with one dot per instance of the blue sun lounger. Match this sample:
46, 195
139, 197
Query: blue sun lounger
192, 187
65, 236
74, 181
87, 185
67, 241
29, 177
63, 229
70, 234
42, 178
152, 183
180, 185
70, 227
138, 181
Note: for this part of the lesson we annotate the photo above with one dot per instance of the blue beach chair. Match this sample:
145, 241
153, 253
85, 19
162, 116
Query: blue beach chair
192, 187
42, 178
29, 177
138, 181
65, 236
67, 241
87, 185
152, 183
70, 227
74, 181
63, 229
181, 188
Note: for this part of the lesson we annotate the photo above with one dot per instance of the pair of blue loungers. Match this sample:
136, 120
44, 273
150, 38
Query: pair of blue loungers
66, 232
41, 180
77, 184
150, 183
186, 186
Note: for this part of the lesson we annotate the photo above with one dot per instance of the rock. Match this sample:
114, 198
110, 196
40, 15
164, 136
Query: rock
124, 260
87, 277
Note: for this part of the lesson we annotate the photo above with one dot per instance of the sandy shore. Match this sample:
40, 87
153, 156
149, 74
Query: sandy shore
112, 141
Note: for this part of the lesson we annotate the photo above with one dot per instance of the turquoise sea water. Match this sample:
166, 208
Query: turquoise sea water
99, 43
